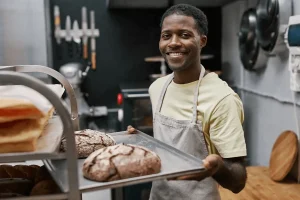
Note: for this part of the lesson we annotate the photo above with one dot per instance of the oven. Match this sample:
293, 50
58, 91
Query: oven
136, 110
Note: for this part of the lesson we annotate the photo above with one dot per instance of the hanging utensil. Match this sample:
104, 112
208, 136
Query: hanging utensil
252, 55
76, 38
84, 32
57, 32
69, 37
93, 40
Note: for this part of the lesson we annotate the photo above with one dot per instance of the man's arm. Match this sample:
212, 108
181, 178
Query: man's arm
227, 135
232, 174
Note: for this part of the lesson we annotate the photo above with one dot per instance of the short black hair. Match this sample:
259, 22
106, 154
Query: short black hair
188, 10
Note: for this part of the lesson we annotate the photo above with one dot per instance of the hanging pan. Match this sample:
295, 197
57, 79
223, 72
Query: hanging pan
251, 54
272, 20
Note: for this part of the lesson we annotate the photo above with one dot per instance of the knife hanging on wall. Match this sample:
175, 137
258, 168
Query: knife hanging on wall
57, 29
76, 38
69, 37
84, 32
93, 40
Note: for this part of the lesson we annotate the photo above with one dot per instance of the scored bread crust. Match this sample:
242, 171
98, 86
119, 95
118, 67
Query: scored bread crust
87, 141
120, 162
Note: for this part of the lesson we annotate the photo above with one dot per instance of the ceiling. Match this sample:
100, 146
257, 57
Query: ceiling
163, 3
205, 3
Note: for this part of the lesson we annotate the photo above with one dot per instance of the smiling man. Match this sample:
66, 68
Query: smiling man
196, 112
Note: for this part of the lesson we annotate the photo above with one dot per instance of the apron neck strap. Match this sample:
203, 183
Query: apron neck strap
163, 92
195, 104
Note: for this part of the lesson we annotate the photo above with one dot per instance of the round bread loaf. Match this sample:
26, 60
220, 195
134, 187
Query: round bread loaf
120, 162
45, 187
88, 141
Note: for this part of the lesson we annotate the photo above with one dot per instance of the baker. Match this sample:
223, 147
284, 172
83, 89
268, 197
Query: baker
196, 112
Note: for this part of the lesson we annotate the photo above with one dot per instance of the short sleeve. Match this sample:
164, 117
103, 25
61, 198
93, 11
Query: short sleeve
226, 130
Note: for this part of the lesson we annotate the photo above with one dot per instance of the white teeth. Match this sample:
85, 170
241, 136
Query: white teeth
175, 54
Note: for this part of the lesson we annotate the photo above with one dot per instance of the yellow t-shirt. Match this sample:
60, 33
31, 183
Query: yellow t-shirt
219, 109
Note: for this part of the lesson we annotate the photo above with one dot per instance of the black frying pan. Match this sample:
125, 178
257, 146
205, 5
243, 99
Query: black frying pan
248, 44
267, 14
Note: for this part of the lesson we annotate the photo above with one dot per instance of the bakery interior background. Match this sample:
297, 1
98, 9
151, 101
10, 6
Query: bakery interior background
130, 34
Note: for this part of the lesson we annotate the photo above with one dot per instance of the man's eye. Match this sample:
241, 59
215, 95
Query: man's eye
165, 36
185, 35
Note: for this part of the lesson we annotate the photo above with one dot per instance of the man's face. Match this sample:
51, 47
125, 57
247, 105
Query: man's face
180, 42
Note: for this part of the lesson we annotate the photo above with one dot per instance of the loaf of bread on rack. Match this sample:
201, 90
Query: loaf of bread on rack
20, 135
20, 179
19, 171
15, 186
87, 141
26, 180
21, 124
120, 162
45, 187
12, 109
24, 114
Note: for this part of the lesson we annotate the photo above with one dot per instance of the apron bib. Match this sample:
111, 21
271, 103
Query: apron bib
187, 136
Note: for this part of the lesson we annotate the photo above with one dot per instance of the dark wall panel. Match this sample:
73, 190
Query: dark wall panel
127, 36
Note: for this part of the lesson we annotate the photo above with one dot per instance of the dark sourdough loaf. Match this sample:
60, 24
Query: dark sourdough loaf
45, 187
25, 180
88, 141
15, 186
120, 162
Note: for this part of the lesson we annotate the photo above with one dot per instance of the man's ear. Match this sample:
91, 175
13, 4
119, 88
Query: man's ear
203, 40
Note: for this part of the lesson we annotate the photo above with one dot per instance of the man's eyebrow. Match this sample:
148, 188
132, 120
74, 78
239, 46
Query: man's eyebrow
180, 30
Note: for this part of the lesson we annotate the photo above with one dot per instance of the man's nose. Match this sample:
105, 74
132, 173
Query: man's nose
174, 42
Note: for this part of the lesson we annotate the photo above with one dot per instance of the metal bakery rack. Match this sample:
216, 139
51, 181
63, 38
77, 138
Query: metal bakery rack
10, 75
65, 168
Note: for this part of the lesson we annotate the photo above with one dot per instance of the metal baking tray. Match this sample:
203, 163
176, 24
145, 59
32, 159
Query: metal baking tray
174, 163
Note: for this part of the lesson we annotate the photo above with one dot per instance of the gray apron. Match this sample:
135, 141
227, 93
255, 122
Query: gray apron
187, 136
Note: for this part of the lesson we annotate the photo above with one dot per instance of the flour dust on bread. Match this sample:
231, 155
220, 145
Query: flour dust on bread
120, 162
87, 141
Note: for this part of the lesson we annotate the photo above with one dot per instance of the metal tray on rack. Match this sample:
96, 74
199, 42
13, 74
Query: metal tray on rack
174, 163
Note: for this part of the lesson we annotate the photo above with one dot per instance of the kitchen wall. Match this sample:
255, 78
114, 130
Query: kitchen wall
268, 101
23, 34
127, 36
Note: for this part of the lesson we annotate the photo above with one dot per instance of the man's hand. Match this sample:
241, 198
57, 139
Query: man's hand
230, 173
212, 164
130, 129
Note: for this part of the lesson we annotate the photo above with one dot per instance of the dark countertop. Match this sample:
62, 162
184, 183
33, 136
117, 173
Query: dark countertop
135, 87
